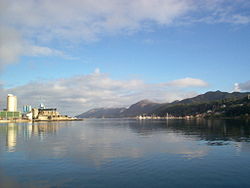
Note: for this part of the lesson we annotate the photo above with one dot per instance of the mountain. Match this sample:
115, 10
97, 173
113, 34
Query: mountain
190, 106
211, 96
141, 107
229, 107
198, 103
102, 113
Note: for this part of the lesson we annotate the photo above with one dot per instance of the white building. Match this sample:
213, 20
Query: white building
11, 103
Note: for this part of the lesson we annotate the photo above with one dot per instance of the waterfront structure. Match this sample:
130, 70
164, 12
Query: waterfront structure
34, 113
11, 103
11, 112
42, 106
10, 115
27, 109
49, 114
30, 114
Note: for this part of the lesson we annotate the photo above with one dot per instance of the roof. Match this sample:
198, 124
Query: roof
47, 109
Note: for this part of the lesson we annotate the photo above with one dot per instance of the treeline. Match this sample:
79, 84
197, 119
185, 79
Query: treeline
223, 108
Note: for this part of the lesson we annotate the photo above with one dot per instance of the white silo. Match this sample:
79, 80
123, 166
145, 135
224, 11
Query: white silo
11, 103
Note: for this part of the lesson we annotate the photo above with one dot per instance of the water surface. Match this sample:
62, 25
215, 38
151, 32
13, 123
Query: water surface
126, 153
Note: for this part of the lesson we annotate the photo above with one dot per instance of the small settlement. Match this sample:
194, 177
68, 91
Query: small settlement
11, 113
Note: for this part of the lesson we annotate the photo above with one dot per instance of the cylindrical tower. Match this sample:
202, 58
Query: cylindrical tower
11, 103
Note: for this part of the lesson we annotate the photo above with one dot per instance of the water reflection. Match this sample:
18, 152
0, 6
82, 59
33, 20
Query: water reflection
209, 130
11, 136
53, 152
100, 140
41, 130
103, 139
26, 132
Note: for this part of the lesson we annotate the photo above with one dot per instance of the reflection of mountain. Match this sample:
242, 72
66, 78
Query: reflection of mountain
243, 146
210, 130
94, 142
103, 140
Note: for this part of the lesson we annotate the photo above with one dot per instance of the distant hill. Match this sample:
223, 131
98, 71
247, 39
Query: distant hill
141, 107
190, 106
103, 113
211, 96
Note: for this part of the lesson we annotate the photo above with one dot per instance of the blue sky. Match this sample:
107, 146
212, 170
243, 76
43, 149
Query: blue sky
198, 45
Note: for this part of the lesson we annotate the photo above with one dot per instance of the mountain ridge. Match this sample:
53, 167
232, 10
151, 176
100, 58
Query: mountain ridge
148, 107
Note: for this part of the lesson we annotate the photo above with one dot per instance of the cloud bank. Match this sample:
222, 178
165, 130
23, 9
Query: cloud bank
187, 82
13, 45
29, 27
80, 93
242, 86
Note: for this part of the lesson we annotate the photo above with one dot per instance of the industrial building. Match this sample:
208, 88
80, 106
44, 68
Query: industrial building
11, 103
48, 114
10, 115
10, 112
27, 109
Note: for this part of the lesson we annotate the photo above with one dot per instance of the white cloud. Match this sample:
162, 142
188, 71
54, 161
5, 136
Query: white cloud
236, 87
64, 21
80, 93
242, 86
85, 19
188, 82
41, 51
240, 19
97, 71
12, 46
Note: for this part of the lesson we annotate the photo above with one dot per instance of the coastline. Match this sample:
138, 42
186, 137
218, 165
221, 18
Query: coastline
15, 121
27, 121
174, 118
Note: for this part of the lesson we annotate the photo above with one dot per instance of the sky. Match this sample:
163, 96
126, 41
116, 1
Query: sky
82, 54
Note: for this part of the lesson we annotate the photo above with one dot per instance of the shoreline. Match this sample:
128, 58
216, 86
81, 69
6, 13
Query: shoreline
174, 118
28, 121
15, 121
136, 118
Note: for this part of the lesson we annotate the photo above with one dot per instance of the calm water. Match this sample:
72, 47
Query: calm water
126, 153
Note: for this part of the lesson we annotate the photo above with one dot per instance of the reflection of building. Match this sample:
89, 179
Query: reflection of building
11, 130
40, 130
11, 136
